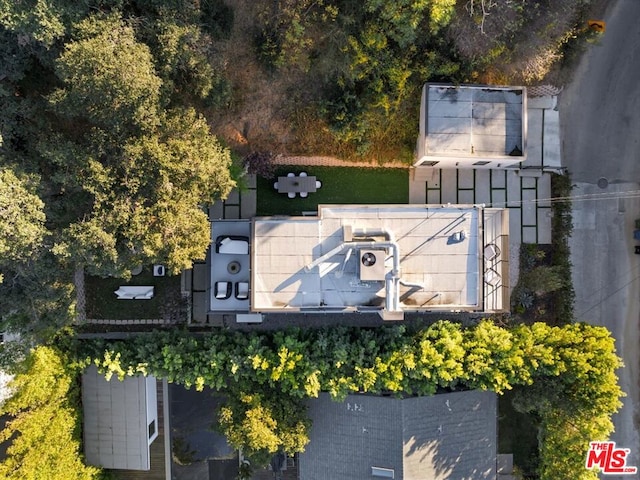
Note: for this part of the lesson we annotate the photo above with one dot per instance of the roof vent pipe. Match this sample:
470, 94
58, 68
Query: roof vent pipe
392, 281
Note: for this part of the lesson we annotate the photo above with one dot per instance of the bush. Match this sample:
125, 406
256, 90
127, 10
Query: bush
217, 18
261, 164
543, 279
569, 372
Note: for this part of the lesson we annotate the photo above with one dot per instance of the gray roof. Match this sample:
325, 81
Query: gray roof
472, 121
116, 420
443, 437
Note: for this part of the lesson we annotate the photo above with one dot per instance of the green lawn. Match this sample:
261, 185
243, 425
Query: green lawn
102, 303
339, 186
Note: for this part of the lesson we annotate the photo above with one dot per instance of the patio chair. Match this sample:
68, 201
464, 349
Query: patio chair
291, 194
242, 290
304, 194
291, 174
223, 290
303, 174
318, 183
275, 185
491, 252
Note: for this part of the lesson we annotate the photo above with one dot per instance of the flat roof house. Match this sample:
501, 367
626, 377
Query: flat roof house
120, 420
386, 258
472, 126
449, 436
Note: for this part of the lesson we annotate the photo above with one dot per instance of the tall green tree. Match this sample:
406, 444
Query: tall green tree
261, 424
182, 61
147, 198
44, 421
22, 216
109, 77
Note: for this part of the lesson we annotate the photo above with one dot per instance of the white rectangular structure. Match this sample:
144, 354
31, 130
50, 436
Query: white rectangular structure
388, 258
472, 126
120, 420
130, 292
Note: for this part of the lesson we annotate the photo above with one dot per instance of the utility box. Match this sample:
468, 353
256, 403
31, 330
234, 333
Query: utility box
372, 264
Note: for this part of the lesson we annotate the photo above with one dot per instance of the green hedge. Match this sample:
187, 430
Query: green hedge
267, 376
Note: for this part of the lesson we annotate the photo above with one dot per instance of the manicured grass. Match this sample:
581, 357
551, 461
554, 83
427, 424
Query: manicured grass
339, 186
102, 303
518, 434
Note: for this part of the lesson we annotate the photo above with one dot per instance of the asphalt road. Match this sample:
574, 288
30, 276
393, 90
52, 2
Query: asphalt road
600, 125
600, 108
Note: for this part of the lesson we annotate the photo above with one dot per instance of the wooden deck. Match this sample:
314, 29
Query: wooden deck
157, 471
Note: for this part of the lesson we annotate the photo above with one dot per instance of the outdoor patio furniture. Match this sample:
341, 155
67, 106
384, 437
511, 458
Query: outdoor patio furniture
491, 252
296, 184
242, 290
233, 267
129, 292
275, 185
303, 174
137, 270
159, 271
223, 290
232, 244
291, 195
318, 184
304, 194
291, 174
491, 277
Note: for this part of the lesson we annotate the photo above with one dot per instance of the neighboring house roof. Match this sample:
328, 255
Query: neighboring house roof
381, 257
120, 420
471, 123
443, 437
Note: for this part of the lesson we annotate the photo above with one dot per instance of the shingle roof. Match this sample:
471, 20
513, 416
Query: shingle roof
443, 437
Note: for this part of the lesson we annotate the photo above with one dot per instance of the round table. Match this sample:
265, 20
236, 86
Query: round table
233, 267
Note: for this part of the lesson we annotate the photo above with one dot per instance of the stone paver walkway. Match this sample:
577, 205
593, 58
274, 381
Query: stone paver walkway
527, 198
239, 203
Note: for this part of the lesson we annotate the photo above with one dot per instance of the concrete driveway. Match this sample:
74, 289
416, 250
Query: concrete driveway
600, 121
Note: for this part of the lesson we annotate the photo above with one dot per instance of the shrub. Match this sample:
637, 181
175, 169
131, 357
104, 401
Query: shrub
217, 18
261, 164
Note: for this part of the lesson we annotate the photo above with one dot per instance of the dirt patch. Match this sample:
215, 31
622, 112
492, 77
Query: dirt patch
519, 42
257, 118
516, 42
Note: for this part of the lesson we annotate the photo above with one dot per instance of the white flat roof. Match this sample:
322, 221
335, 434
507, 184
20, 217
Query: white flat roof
439, 251
474, 121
